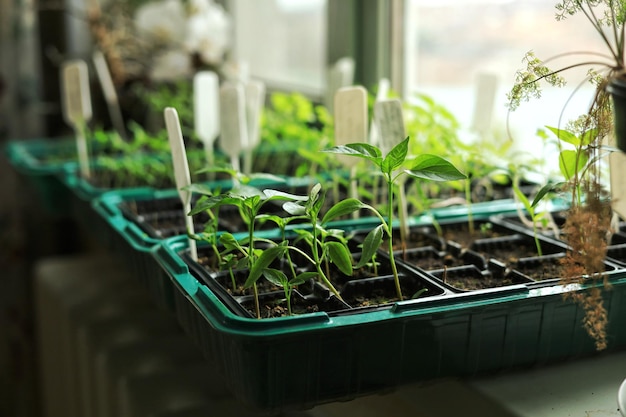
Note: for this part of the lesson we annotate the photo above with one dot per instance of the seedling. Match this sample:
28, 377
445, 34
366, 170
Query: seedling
530, 208
322, 249
293, 123
277, 277
249, 205
425, 166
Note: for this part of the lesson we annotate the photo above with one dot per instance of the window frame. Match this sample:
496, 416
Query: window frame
369, 31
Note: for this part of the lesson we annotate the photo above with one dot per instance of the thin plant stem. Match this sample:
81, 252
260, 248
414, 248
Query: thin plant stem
394, 269
257, 308
468, 198
251, 262
317, 262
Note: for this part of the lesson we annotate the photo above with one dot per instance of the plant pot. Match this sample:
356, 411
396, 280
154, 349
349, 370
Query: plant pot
617, 89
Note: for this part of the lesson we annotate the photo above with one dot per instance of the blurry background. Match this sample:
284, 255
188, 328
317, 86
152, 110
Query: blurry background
437, 47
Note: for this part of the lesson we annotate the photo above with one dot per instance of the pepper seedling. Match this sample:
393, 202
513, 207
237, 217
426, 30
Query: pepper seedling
255, 259
389, 118
424, 166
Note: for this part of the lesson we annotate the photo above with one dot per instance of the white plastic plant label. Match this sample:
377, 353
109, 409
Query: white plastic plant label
76, 100
486, 87
340, 74
381, 94
233, 122
181, 169
206, 106
76, 93
390, 121
255, 102
351, 119
110, 93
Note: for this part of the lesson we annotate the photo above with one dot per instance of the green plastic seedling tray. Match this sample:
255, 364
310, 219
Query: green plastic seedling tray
123, 235
301, 361
41, 156
84, 192
110, 207
40, 162
111, 204
83, 195
126, 239
489, 208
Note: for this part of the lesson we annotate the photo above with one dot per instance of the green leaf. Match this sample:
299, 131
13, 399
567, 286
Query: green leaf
396, 157
276, 277
522, 197
434, 168
589, 136
223, 169
228, 241
316, 157
371, 244
315, 192
265, 176
548, 188
280, 195
360, 150
569, 164
302, 278
200, 189
293, 208
244, 191
314, 205
263, 262
565, 136
419, 293
215, 201
279, 221
242, 263
228, 261
340, 256
251, 202
342, 208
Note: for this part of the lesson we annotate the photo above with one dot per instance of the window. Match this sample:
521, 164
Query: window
451, 42
283, 42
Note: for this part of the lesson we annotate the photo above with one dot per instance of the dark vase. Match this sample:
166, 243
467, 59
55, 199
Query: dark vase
617, 89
